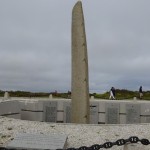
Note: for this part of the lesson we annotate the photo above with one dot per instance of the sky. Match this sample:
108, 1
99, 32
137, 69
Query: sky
35, 44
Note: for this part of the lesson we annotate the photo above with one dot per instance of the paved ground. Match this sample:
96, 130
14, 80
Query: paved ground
78, 135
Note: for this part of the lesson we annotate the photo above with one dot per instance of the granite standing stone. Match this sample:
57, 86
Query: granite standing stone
80, 85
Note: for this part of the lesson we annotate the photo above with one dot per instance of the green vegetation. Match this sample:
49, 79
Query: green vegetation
124, 94
24, 94
120, 94
36, 94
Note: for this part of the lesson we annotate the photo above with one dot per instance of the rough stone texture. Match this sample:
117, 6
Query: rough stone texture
78, 134
38, 141
80, 86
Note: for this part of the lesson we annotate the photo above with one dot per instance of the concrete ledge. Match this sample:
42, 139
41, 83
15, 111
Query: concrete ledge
78, 134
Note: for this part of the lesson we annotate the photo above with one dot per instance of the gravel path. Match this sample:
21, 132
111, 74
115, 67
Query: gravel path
78, 134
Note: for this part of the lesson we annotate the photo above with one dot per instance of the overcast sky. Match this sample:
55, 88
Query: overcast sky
35, 44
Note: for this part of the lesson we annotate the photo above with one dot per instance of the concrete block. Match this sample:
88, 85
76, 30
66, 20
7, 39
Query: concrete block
94, 109
32, 116
133, 113
145, 109
60, 109
101, 118
145, 119
60, 116
60, 105
123, 107
112, 113
33, 106
22, 105
9, 107
15, 116
67, 112
102, 106
122, 119
50, 111
40, 105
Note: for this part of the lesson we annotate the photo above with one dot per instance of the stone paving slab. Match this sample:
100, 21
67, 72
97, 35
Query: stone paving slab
37, 141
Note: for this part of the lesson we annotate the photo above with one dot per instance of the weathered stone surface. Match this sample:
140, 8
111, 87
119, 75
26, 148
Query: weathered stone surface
37, 141
10, 108
67, 112
133, 113
94, 116
80, 85
50, 111
112, 113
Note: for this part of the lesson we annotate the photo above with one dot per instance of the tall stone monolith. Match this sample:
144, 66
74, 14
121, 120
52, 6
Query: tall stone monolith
80, 85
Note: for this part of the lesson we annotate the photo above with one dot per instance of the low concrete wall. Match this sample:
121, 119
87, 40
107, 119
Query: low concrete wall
59, 110
101, 111
10, 109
